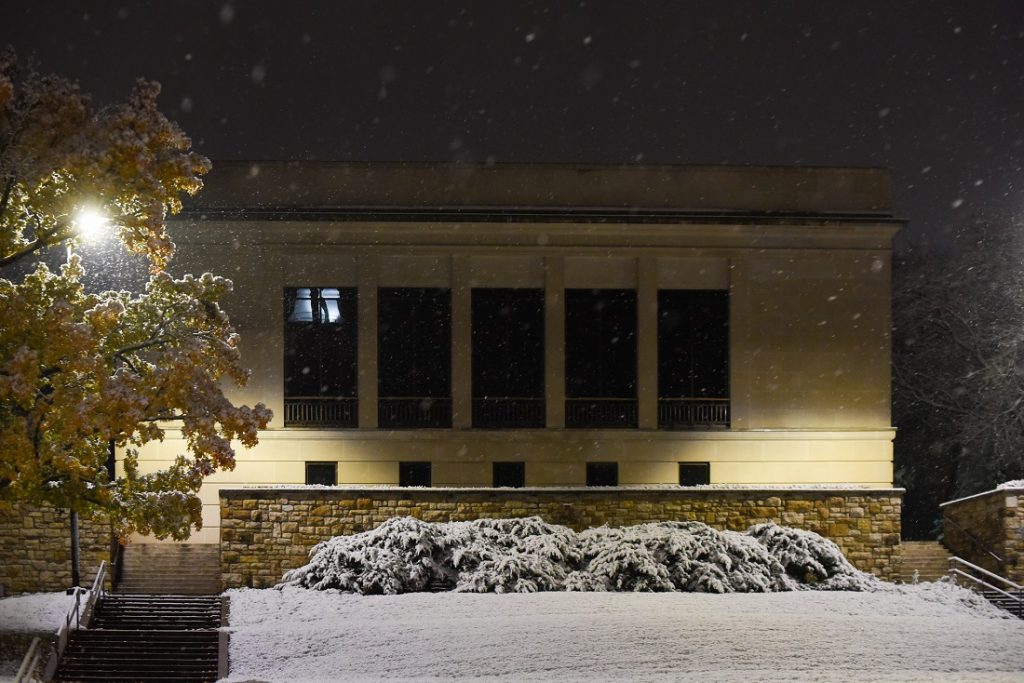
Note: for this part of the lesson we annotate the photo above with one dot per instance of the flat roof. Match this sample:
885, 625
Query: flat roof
345, 186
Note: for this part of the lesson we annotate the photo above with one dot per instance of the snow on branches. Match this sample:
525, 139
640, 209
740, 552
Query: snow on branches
57, 154
527, 555
80, 369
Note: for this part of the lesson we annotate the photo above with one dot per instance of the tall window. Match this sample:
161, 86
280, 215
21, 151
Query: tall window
508, 357
693, 358
320, 357
600, 358
415, 359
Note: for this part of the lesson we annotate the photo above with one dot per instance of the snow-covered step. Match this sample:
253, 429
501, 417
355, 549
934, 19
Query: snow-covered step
149, 638
923, 561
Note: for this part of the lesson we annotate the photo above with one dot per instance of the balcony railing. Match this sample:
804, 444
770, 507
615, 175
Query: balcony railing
414, 412
319, 411
589, 413
693, 413
508, 412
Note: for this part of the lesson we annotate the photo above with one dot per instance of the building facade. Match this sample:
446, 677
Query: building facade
552, 326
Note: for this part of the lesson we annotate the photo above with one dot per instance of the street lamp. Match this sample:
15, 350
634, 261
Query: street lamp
89, 223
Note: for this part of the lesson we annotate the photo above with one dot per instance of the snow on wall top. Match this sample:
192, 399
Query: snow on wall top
816, 489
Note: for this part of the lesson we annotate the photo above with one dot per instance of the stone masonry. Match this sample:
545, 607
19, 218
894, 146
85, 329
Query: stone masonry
35, 549
990, 523
265, 532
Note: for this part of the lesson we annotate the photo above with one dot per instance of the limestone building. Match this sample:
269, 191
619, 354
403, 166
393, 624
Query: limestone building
553, 326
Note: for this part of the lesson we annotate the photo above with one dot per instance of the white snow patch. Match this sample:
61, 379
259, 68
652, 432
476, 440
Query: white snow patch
927, 632
35, 611
1013, 484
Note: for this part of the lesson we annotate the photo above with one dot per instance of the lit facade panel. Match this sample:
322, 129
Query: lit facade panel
749, 344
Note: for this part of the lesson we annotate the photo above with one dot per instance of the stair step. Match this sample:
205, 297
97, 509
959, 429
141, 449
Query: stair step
147, 637
180, 568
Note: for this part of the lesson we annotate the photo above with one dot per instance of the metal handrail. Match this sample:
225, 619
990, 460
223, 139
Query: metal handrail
95, 594
29, 669
984, 572
1016, 597
76, 614
973, 538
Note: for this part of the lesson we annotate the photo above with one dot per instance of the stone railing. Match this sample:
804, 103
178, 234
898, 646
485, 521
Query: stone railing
267, 531
987, 529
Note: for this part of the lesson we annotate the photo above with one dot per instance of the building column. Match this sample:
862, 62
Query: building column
647, 342
367, 345
554, 341
462, 344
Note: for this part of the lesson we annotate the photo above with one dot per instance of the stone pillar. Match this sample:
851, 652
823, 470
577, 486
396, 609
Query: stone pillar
554, 341
462, 345
367, 344
647, 341
743, 340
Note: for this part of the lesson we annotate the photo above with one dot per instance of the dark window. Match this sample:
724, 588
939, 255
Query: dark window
322, 473
414, 474
320, 342
600, 358
693, 359
694, 473
320, 338
602, 474
509, 474
415, 359
508, 358
693, 343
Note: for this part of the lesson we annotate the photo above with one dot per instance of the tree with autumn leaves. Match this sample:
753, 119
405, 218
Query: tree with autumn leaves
81, 369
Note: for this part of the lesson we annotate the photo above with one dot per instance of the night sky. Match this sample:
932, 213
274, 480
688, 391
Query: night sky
932, 89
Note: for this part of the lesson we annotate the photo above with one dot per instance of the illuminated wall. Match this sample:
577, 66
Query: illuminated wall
804, 255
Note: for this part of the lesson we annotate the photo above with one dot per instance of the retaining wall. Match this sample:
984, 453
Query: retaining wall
265, 532
35, 548
988, 530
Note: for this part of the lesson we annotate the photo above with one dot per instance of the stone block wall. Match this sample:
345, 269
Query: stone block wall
35, 549
265, 532
990, 523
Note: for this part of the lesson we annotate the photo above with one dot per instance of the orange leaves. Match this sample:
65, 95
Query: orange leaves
80, 369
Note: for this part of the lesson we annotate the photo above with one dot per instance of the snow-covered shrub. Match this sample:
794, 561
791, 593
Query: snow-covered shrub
512, 572
683, 556
526, 555
530, 535
402, 555
810, 559
624, 559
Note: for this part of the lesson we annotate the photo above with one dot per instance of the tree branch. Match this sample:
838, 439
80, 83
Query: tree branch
8, 188
44, 238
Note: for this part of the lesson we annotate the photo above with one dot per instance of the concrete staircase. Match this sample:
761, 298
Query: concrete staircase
928, 558
171, 568
149, 638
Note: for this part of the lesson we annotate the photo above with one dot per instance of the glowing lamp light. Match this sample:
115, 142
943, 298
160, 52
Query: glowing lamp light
90, 223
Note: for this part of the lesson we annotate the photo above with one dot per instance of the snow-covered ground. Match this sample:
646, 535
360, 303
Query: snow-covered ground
929, 632
23, 616
34, 611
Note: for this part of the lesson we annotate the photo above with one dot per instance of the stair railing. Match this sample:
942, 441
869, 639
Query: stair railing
1011, 592
29, 669
74, 618
978, 543
95, 594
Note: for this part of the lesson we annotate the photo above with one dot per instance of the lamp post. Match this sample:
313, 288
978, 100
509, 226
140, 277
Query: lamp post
88, 224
